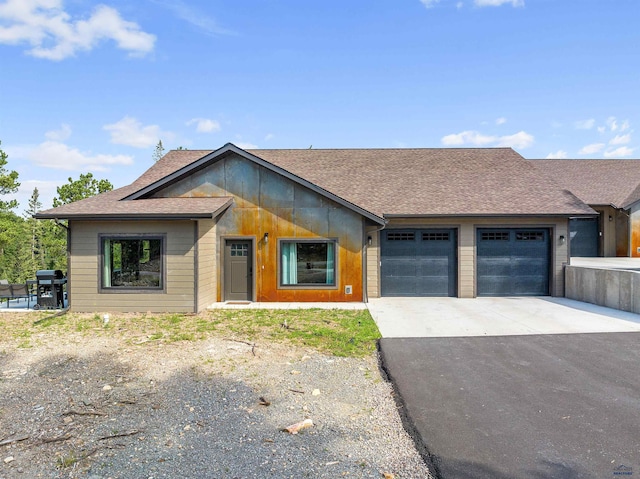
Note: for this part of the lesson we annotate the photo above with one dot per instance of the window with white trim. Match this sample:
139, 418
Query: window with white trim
307, 263
132, 262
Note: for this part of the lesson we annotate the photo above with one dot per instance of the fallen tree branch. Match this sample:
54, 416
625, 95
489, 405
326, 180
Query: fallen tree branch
253, 345
11, 440
73, 412
66, 437
122, 434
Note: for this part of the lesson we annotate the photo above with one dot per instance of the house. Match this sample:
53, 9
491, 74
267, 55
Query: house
201, 227
612, 188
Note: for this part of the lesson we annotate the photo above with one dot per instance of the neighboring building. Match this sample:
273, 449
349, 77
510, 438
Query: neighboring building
612, 188
319, 225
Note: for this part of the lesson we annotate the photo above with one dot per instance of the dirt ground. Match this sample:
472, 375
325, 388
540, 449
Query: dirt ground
115, 406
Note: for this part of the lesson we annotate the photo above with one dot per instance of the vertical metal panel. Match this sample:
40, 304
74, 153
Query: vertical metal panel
510, 265
584, 237
413, 265
267, 203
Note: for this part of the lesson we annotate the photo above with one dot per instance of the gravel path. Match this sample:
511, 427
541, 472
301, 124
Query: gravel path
100, 408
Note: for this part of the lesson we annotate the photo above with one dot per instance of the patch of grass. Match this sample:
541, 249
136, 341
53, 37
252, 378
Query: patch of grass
338, 332
67, 460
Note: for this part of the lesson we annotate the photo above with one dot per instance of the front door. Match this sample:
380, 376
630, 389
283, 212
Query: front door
238, 269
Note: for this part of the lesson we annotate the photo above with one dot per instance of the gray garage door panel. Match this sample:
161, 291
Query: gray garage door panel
418, 262
513, 262
584, 235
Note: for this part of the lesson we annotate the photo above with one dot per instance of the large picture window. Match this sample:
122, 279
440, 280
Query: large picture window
308, 263
132, 263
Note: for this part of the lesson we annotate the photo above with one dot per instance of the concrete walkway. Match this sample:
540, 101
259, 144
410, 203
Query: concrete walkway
258, 305
458, 317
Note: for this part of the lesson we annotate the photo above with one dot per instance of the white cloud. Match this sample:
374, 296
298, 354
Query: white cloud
269, 136
520, 140
601, 129
591, 149
245, 145
466, 138
129, 131
195, 17
469, 137
59, 135
52, 33
558, 155
204, 125
585, 124
612, 123
501, 121
429, 3
56, 155
619, 152
620, 139
625, 125
498, 3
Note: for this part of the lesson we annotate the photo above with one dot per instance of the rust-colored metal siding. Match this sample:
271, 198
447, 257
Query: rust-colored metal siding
635, 230
265, 202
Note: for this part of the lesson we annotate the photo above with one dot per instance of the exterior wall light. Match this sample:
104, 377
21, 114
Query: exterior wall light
369, 240
562, 239
266, 238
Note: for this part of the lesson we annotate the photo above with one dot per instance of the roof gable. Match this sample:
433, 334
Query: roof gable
188, 169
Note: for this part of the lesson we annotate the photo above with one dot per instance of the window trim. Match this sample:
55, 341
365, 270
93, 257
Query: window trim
162, 289
313, 286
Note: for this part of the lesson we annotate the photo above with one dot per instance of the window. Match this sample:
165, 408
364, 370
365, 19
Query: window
529, 236
495, 236
401, 236
435, 236
132, 263
307, 263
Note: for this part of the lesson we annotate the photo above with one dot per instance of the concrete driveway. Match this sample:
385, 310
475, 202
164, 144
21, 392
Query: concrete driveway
452, 317
488, 396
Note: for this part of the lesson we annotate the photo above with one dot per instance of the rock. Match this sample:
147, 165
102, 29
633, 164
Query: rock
316, 392
299, 426
106, 387
9, 459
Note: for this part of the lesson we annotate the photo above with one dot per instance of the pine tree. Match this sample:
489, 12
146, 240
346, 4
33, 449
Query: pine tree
158, 152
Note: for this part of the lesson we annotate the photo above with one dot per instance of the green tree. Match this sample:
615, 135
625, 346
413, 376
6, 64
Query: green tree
84, 187
35, 229
158, 152
8, 183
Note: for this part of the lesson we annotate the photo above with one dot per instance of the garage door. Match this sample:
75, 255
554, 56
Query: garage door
584, 236
418, 262
513, 262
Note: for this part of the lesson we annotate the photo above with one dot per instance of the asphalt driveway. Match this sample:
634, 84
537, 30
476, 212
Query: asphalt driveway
488, 396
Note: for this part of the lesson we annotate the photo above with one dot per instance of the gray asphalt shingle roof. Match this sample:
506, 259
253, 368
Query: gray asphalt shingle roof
385, 182
596, 182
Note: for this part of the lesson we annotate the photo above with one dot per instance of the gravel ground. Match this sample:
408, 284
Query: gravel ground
100, 408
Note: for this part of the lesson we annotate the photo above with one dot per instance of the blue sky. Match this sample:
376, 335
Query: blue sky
91, 86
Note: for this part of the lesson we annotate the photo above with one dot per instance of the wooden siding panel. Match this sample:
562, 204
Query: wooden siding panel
179, 265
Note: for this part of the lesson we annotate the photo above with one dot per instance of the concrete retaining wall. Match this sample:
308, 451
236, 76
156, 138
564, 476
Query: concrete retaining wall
613, 288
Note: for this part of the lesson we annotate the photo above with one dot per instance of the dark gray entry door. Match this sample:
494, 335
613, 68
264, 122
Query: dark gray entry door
418, 262
238, 268
513, 262
584, 235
